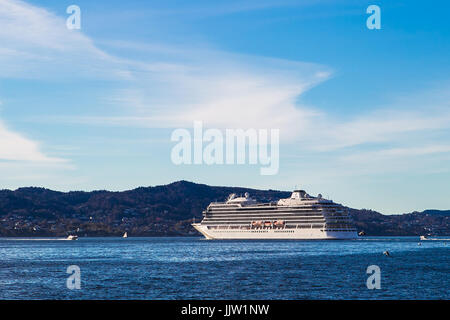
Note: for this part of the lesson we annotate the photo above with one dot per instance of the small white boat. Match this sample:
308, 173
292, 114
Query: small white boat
125, 235
433, 239
71, 237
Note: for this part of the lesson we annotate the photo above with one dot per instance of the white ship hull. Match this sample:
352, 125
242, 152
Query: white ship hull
294, 234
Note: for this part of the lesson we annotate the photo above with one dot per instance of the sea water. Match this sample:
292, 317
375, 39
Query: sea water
194, 268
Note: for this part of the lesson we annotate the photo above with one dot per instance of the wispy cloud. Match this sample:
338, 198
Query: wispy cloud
15, 147
392, 153
224, 91
205, 8
382, 126
37, 44
27, 35
170, 86
174, 88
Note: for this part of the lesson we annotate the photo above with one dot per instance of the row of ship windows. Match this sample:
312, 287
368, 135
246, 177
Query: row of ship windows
258, 231
285, 231
299, 213
268, 208
265, 228
291, 222
274, 216
272, 204
343, 226
330, 210
246, 224
266, 216
266, 205
278, 212
274, 209
247, 219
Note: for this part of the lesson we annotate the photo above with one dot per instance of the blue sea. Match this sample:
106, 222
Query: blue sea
193, 268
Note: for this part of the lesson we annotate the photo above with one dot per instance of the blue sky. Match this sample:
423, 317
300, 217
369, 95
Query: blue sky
364, 115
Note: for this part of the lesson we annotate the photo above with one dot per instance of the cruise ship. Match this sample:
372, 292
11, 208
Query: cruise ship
300, 216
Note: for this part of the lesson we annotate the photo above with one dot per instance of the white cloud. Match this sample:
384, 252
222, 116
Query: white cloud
222, 90
167, 90
173, 89
176, 85
15, 147
382, 126
37, 44
391, 153
229, 91
207, 8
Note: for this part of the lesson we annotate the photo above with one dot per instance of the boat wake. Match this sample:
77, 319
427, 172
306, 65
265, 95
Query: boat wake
37, 239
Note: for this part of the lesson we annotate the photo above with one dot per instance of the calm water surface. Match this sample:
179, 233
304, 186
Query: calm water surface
193, 268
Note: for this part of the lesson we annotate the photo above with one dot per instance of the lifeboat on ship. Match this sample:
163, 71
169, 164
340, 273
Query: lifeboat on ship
257, 224
279, 223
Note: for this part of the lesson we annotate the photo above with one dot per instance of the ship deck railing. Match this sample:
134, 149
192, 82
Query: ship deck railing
309, 226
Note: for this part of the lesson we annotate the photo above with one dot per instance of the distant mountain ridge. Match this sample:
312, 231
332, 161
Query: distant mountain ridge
436, 212
165, 210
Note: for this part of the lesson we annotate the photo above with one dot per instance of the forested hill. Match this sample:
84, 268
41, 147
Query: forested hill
162, 211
